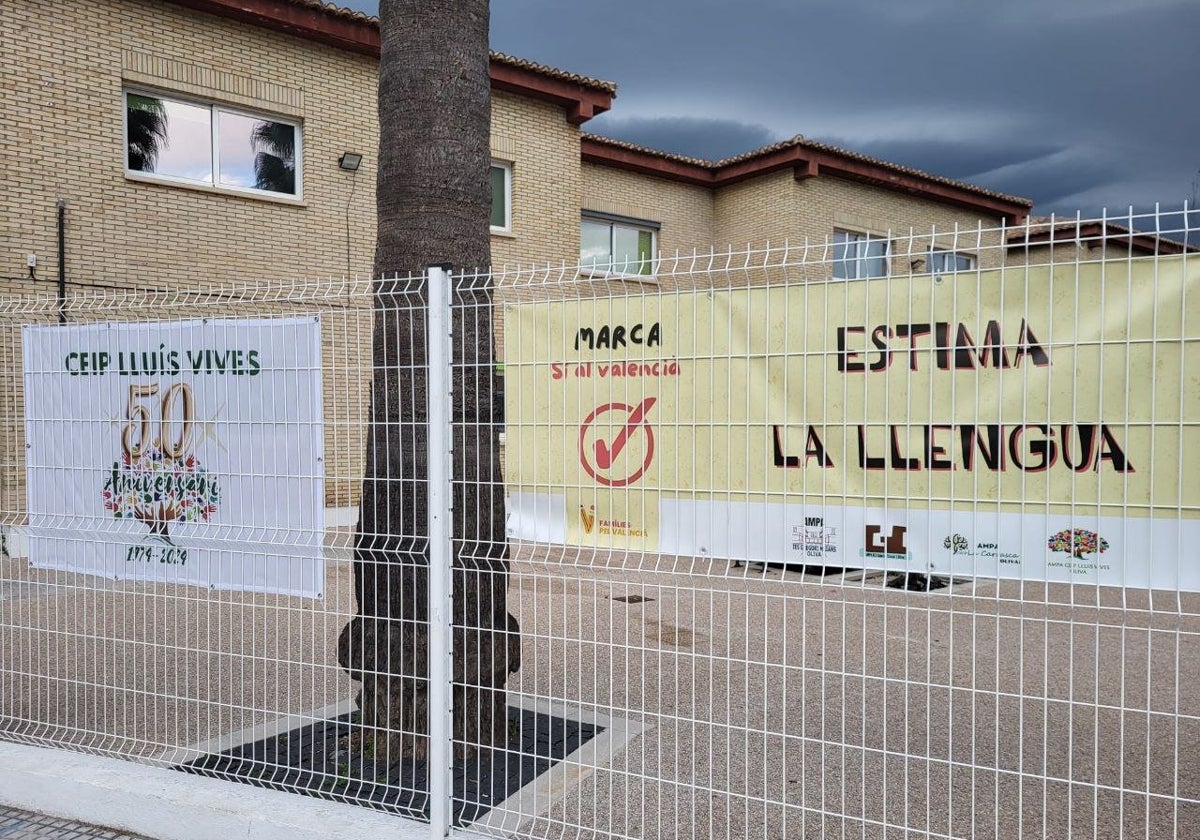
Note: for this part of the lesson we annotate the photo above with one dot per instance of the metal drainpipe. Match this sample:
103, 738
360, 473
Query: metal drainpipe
62, 261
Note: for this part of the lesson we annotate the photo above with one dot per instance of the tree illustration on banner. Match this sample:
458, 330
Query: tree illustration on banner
158, 480
1077, 542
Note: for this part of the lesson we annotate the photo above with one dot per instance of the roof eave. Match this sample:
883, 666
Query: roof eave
592, 150
361, 35
347, 33
1013, 213
580, 103
805, 163
1094, 234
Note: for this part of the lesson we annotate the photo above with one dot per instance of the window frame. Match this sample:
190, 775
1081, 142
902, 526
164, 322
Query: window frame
950, 253
214, 109
614, 221
507, 167
861, 238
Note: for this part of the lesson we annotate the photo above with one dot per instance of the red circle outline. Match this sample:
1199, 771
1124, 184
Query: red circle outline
583, 458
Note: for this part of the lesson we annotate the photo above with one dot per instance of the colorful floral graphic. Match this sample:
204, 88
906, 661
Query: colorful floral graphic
1077, 542
159, 490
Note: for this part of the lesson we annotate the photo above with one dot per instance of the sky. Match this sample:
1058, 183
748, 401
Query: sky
188, 150
1079, 105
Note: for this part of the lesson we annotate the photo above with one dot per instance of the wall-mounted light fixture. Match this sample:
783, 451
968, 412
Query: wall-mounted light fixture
350, 161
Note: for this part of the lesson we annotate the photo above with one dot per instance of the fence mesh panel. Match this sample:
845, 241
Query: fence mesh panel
792, 549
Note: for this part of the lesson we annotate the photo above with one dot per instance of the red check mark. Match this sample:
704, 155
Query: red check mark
607, 453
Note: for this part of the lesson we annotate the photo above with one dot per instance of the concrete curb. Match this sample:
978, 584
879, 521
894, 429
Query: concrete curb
168, 805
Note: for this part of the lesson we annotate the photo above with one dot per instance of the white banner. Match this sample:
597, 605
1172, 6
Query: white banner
1081, 548
187, 452
1102, 550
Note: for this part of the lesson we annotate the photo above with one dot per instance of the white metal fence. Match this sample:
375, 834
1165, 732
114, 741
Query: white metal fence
789, 554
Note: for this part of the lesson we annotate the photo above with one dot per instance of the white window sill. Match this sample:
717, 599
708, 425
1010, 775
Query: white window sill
601, 274
150, 178
503, 233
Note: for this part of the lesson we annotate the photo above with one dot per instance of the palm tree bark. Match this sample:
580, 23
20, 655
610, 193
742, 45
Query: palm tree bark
433, 201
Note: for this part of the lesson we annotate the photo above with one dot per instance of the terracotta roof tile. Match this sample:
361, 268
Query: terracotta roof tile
1093, 230
1042, 224
908, 170
334, 9
799, 141
555, 73
552, 72
634, 147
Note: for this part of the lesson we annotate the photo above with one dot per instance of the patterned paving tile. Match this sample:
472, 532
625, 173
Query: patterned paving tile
22, 825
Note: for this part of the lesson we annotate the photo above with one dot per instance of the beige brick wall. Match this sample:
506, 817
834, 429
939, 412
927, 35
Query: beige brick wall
684, 211
757, 211
776, 208
1067, 252
543, 149
826, 203
65, 111
66, 64
68, 118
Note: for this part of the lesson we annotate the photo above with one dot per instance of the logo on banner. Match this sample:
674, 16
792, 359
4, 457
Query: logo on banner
813, 538
587, 518
888, 546
158, 479
621, 459
957, 543
1078, 543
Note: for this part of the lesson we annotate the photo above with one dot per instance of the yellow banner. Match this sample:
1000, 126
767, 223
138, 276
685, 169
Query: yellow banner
1067, 390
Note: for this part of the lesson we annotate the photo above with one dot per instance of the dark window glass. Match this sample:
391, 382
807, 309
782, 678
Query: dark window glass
500, 197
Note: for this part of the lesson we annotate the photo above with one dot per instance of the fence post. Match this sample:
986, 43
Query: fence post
439, 386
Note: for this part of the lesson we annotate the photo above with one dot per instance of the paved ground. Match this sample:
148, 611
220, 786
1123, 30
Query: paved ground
783, 705
774, 705
22, 825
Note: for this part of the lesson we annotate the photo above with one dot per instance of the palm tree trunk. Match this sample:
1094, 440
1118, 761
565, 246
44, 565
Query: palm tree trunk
433, 205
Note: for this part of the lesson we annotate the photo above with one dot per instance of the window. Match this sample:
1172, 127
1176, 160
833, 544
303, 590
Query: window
859, 255
947, 262
501, 197
617, 244
195, 143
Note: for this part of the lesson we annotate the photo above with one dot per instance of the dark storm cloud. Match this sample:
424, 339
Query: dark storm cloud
1074, 103
1054, 173
1054, 179
953, 158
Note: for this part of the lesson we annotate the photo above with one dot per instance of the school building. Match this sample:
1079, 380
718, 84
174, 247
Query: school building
165, 144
